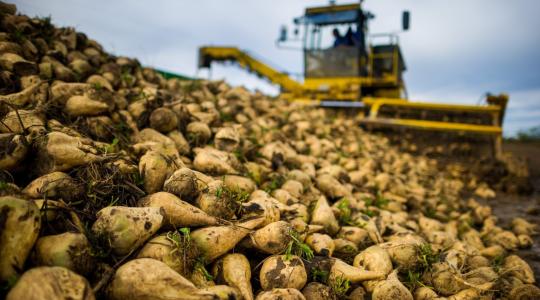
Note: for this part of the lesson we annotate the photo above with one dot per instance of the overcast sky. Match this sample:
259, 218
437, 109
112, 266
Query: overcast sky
455, 51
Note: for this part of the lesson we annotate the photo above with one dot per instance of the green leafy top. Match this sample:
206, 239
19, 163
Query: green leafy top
298, 248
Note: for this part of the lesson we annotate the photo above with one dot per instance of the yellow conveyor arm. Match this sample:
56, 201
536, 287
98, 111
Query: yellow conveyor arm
209, 54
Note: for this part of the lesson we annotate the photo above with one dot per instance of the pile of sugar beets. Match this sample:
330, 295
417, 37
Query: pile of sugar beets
119, 184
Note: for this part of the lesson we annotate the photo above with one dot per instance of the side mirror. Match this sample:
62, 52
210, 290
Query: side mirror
406, 20
282, 34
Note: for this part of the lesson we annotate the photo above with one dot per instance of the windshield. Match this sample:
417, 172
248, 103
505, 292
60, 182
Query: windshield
333, 51
331, 36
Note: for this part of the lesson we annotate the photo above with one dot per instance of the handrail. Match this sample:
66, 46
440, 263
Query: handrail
392, 37
395, 62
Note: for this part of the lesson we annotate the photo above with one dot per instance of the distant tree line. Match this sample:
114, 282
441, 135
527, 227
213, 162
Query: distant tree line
528, 135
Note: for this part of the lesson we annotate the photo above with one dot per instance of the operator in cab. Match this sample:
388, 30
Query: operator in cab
349, 37
339, 40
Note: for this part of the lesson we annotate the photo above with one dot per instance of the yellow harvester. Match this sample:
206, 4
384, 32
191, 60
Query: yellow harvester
365, 71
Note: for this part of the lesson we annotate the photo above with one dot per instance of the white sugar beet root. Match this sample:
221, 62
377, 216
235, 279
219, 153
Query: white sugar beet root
223, 292
69, 250
391, 289
173, 250
234, 270
210, 240
127, 228
84, 106
15, 148
322, 215
517, 267
177, 213
53, 185
146, 278
183, 183
272, 238
61, 152
318, 291
51, 283
283, 294
21, 222
374, 258
20, 121
280, 271
338, 271
322, 244
155, 167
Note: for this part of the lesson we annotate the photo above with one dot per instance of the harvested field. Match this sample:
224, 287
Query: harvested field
509, 206
117, 183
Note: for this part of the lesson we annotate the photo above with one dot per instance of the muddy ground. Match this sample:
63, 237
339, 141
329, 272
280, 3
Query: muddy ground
507, 206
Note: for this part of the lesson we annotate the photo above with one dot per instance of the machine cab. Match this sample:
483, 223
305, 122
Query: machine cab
337, 48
